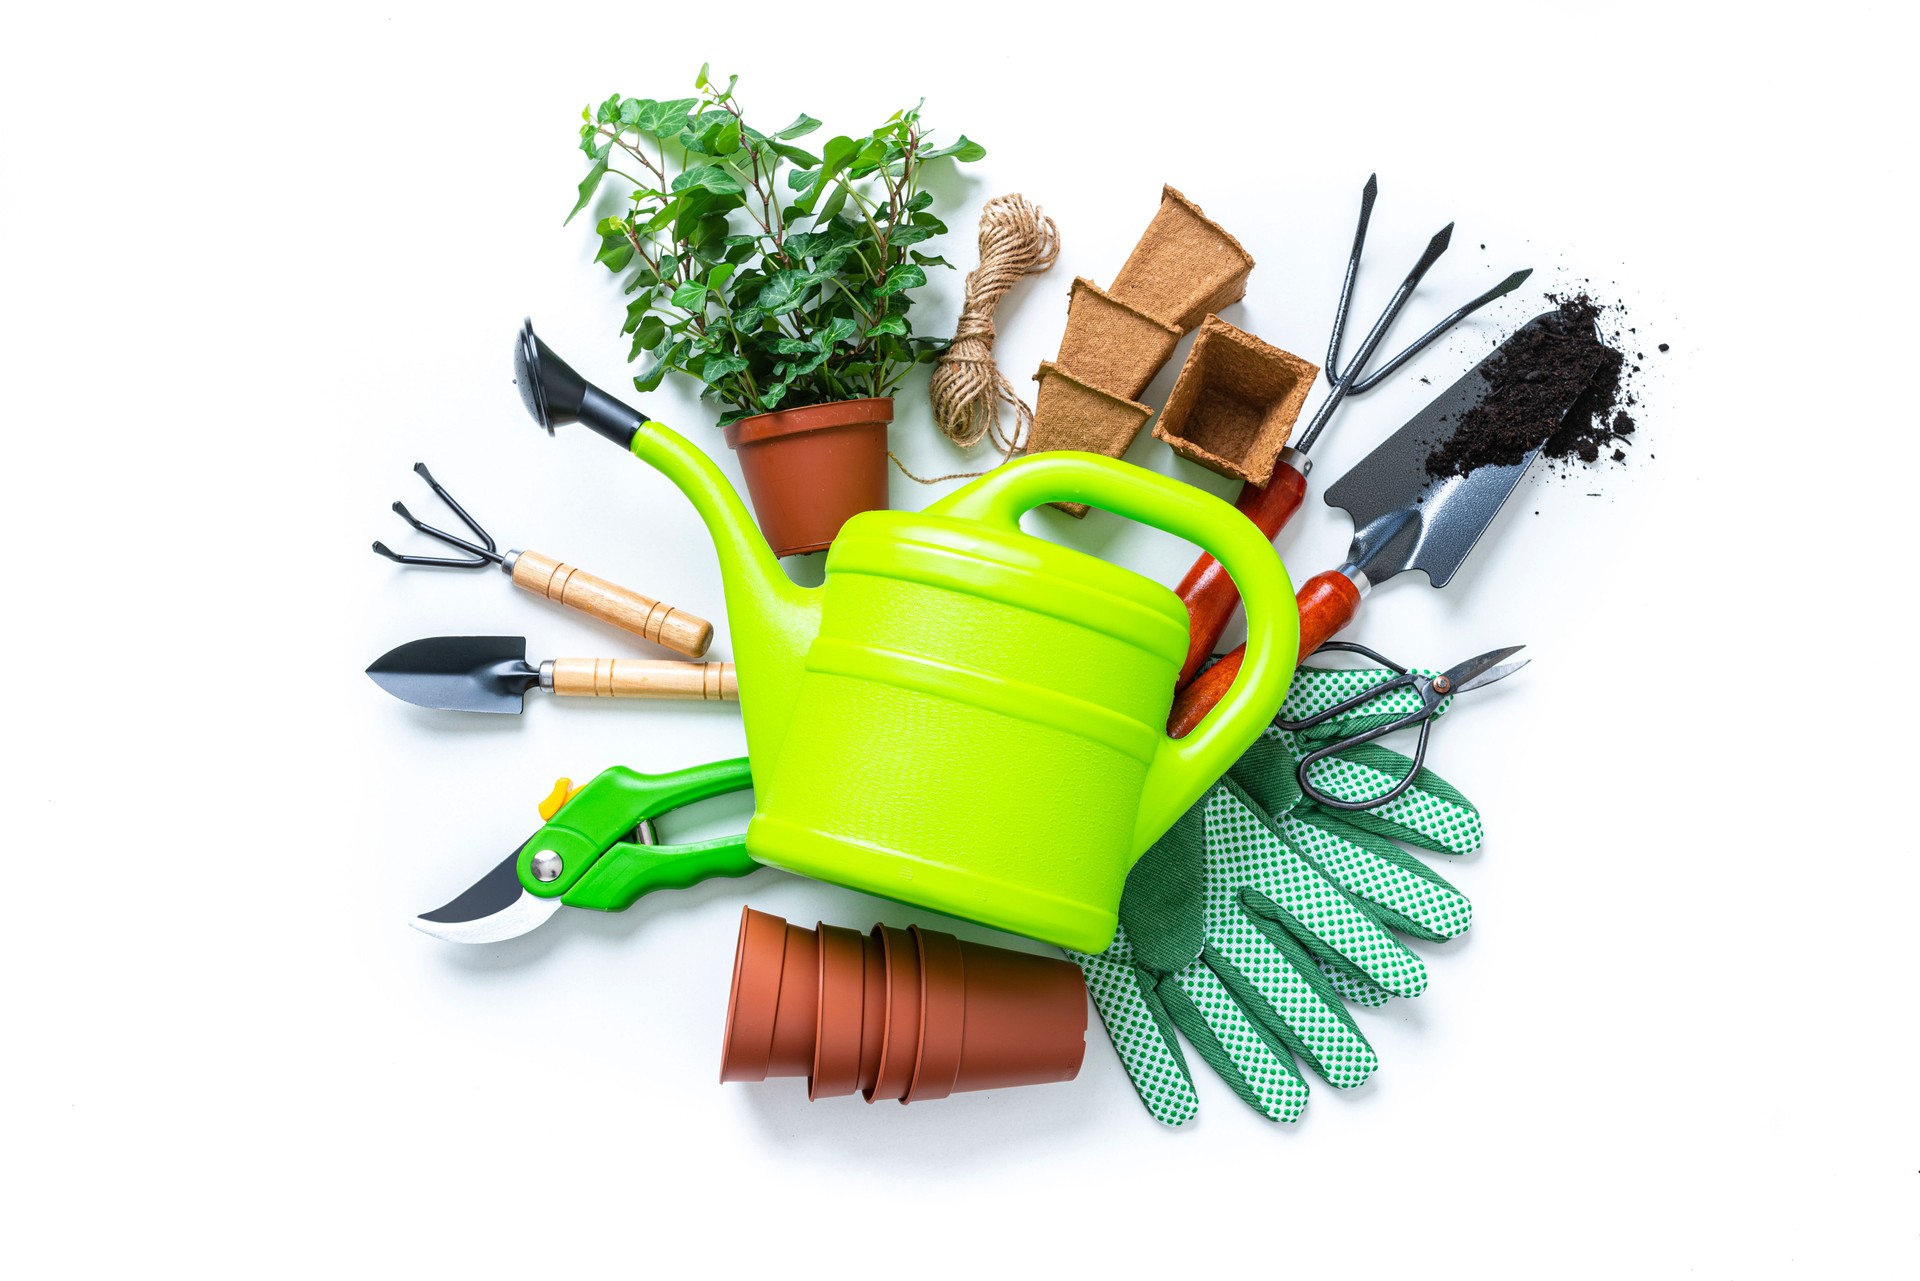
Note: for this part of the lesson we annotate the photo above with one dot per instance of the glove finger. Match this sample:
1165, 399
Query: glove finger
1404, 893
1353, 989
1218, 1028
1141, 1032
1292, 1004
1432, 814
1251, 866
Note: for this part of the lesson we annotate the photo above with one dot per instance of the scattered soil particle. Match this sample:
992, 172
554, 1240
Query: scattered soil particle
1534, 375
1664, 347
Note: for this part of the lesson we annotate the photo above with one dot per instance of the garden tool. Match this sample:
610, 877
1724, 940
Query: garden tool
1403, 518
492, 674
1246, 925
1207, 589
664, 625
1430, 690
965, 717
597, 850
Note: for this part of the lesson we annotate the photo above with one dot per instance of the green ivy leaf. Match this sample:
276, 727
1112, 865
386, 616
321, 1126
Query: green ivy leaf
782, 292
708, 178
590, 183
835, 203
667, 118
798, 157
718, 367
720, 275
889, 325
728, 140
928, 260
965, 150
905, 276
691, 296
920, 202
616, 252
803, 124
700, 81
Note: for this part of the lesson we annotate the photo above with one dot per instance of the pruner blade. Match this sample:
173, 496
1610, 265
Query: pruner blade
491, 910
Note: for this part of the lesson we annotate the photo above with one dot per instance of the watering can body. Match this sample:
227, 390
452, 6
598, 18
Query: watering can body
969, 718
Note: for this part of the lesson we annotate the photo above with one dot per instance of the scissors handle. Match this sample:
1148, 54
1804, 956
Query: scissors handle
1425, 718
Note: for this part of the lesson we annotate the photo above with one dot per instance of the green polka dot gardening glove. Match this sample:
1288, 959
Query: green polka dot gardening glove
1241, 929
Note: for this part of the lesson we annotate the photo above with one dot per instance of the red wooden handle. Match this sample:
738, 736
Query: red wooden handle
1327, 601
1207, 592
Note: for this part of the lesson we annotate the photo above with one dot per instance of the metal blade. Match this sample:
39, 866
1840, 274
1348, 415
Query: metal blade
1485, 679
1405, 519
493, 908
459, 673
1461, 675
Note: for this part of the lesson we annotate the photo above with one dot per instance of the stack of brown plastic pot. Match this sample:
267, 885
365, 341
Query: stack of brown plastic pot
1235, 403
897, 1014
1184, 267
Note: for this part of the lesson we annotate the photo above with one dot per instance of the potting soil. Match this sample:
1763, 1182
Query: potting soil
1532, 376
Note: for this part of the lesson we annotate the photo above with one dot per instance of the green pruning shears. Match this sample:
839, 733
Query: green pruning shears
598, 850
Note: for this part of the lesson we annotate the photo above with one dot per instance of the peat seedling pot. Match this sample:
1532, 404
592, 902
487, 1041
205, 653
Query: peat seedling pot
907, 1014
1070, 414
1111, 345
1185, 266
1235, 403
809, 469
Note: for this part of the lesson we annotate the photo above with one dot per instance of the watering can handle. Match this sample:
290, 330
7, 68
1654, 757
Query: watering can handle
1182, 768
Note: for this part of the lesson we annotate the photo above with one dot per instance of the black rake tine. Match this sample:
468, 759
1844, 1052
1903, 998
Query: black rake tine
1367, 196
479, 555
458, 510
1348, 381
452, 540
1427, 339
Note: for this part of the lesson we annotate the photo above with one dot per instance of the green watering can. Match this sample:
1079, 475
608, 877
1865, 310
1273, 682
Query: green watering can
965, 717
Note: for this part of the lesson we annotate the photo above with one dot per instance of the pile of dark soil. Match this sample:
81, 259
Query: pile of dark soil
1532, 376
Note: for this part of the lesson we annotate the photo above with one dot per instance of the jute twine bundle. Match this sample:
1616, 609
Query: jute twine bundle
967, 388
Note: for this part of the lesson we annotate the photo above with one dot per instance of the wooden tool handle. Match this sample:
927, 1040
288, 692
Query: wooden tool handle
1207, 592
1327, 602
645, 678
677, 630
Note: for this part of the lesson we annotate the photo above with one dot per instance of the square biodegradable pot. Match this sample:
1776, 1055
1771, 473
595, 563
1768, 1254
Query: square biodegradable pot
1111, 345
1070, 414
1236, 402
1185, 266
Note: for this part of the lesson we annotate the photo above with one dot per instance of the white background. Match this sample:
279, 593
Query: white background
259, 261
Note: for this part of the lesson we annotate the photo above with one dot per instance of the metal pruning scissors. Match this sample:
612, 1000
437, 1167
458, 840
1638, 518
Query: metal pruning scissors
597, 850
1433, 692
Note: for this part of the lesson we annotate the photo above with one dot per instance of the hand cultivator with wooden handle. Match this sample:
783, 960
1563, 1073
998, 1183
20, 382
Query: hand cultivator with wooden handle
664, 625
1209, 594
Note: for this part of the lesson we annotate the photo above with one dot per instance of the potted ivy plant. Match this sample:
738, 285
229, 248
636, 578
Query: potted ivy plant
781, 280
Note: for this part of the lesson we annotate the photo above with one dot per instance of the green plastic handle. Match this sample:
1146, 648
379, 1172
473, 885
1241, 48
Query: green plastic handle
627, 871
1182, 768
600, 868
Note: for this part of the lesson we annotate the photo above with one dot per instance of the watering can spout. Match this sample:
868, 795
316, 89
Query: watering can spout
771, 620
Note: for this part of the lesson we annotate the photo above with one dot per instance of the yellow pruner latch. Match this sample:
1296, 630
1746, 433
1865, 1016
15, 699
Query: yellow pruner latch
563, 791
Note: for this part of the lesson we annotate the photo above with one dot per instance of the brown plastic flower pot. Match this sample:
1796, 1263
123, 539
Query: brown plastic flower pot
1111, 345
1235, 403
1185, 265
897, 1014
1071, 414
809, 469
